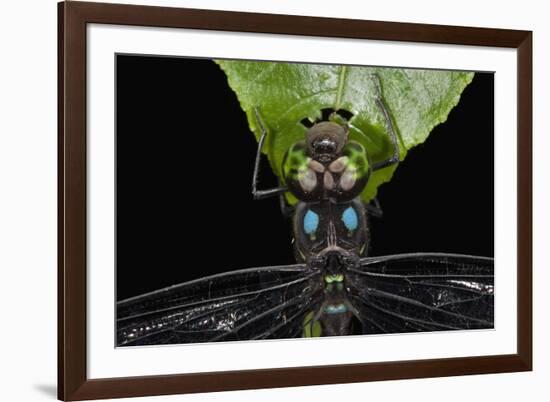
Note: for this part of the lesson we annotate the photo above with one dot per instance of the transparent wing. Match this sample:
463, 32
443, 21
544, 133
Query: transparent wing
255, 303
423, 292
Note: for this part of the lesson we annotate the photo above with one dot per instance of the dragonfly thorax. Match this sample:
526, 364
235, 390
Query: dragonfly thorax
330, 237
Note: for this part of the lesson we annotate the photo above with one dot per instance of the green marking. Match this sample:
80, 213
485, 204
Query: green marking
295, 162
334, 278
358, 161
311, 329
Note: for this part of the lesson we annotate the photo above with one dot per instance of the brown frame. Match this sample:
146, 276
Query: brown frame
73, 383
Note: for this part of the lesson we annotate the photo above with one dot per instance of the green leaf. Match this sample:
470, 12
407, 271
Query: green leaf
285, 93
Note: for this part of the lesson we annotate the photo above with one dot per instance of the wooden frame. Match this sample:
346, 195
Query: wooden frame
73, 383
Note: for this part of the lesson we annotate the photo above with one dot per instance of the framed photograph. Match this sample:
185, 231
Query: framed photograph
253, 200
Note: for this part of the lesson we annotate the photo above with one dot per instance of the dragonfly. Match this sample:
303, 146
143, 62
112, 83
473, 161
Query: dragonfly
335, 288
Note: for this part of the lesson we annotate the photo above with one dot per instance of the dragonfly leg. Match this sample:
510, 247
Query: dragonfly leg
261, 194
392, 160
374, 208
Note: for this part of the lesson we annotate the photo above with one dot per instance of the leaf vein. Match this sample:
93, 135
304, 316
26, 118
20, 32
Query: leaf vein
341, 82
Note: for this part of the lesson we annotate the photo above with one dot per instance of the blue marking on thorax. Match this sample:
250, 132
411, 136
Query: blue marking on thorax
311, 222
349, 217
336, 308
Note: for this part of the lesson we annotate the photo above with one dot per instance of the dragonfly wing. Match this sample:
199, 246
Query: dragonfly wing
423, 292
253, 303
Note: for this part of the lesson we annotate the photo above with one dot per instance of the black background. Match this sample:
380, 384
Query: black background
184, 169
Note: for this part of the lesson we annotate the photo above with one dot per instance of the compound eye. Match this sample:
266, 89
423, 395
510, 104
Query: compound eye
311, 222
350, 219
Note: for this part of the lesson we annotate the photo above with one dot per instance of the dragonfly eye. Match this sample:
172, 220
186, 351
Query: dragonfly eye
311, 222
350, 219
